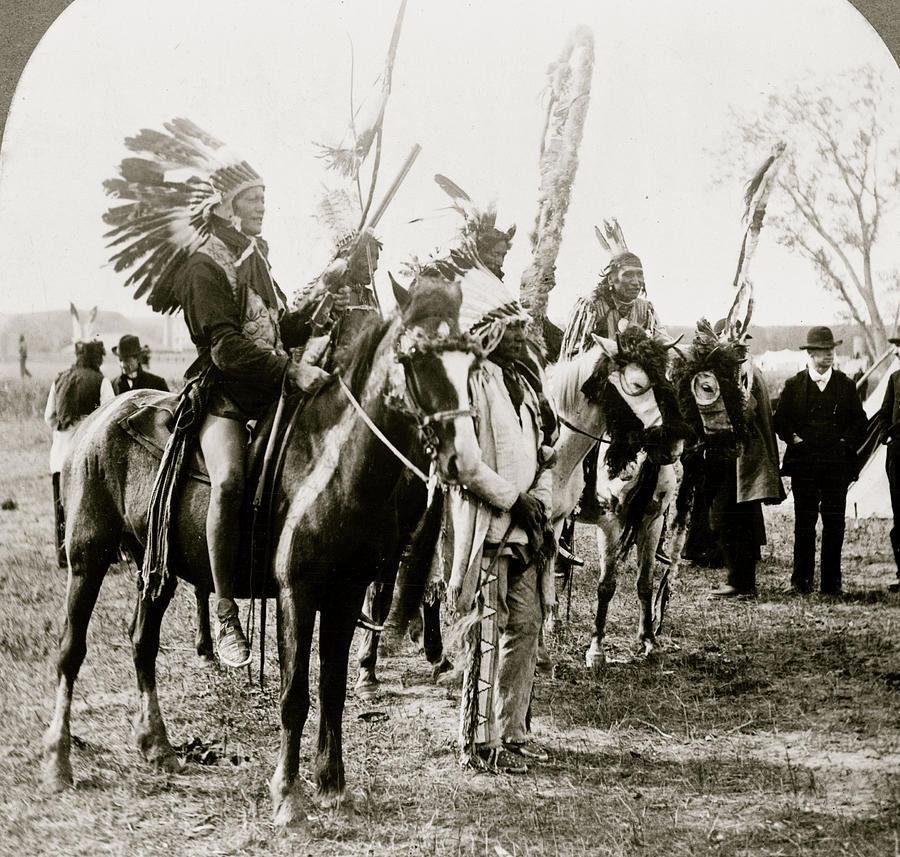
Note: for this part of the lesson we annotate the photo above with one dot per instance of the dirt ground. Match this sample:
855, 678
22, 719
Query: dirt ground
766, 727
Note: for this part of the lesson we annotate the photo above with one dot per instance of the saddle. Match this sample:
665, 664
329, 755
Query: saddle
150, 421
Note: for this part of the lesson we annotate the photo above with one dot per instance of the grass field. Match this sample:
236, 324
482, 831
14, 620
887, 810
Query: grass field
766, 728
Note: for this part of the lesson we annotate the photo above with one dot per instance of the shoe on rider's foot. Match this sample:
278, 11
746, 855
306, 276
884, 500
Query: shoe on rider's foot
231, 644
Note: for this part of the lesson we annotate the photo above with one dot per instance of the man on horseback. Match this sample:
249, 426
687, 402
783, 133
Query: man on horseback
191, 227
619, 299
236, 316
619, 296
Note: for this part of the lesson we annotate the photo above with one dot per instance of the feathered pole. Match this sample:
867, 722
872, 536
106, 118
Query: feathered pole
756, 197
365, 129
569, 97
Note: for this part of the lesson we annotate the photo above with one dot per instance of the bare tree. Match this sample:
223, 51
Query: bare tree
838, 184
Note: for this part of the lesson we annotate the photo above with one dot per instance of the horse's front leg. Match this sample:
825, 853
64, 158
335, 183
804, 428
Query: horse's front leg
295, 623
336, 626
647, 542
149, 727
609, 532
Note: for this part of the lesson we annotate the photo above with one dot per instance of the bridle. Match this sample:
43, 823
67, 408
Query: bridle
409, 402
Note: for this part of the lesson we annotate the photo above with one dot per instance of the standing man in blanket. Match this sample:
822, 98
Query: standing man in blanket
498, 581
74, 394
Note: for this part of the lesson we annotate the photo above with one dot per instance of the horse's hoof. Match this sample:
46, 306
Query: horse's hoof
290, 814
595, 658
168, 763
57, 776
650, 649
342, 801
367, 686
444, 665
206, 660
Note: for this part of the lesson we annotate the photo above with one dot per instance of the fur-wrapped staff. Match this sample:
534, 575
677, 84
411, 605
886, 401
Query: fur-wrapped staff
569, 91
734, 467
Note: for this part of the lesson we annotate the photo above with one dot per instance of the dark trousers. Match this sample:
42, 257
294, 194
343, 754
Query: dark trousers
819, 490
737, 527
893, 474
59, 524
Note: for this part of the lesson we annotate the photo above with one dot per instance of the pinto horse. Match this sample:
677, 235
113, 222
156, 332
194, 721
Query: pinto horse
616, 395
408, 376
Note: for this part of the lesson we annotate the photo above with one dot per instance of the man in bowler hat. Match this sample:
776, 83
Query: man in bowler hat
822, 421
134, 376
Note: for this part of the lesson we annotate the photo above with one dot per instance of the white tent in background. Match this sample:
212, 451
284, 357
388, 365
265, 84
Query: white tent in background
869, 496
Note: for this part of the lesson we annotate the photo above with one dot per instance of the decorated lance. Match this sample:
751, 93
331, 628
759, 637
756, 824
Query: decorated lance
361, 242
756, 197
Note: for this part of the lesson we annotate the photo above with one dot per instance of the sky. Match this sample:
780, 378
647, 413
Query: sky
272, 78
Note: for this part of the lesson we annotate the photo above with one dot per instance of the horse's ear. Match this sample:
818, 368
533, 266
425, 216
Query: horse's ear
401, 295
607, 346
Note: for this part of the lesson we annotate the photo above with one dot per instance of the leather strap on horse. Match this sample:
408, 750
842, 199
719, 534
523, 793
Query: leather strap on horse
155, 572
261, 486
379, 433
577, 430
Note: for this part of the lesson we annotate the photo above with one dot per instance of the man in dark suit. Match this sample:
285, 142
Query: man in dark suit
133, 376
822, 421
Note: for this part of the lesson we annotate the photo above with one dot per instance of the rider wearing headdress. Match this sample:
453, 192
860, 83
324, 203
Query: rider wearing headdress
197, 217
618, 299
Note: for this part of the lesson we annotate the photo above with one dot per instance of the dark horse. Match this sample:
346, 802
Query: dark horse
330, 506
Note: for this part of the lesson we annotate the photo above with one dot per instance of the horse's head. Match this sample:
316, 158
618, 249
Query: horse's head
712, 400
638, 402
437, 360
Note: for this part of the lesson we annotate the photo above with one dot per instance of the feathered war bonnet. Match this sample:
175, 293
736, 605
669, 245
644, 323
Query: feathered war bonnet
166, 197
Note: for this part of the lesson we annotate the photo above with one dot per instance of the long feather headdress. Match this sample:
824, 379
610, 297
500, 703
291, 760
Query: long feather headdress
169, 192
756, 197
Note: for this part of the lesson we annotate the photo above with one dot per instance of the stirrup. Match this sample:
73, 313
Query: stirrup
569, 557
368, 623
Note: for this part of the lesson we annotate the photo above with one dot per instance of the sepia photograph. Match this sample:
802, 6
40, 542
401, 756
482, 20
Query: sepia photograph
447, 429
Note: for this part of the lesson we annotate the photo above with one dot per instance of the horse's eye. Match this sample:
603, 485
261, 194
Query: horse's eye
635, 381
705, 387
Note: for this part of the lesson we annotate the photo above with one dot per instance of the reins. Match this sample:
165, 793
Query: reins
577, 430
379, 433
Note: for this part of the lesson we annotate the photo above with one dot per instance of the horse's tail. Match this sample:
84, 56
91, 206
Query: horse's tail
635, 505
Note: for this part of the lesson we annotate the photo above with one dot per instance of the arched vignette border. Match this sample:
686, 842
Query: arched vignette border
26, 21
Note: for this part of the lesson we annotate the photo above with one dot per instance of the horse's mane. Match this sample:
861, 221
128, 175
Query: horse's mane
566, 378
353, 360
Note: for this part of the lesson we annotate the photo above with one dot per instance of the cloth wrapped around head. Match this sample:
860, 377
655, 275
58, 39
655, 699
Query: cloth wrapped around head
488, 307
